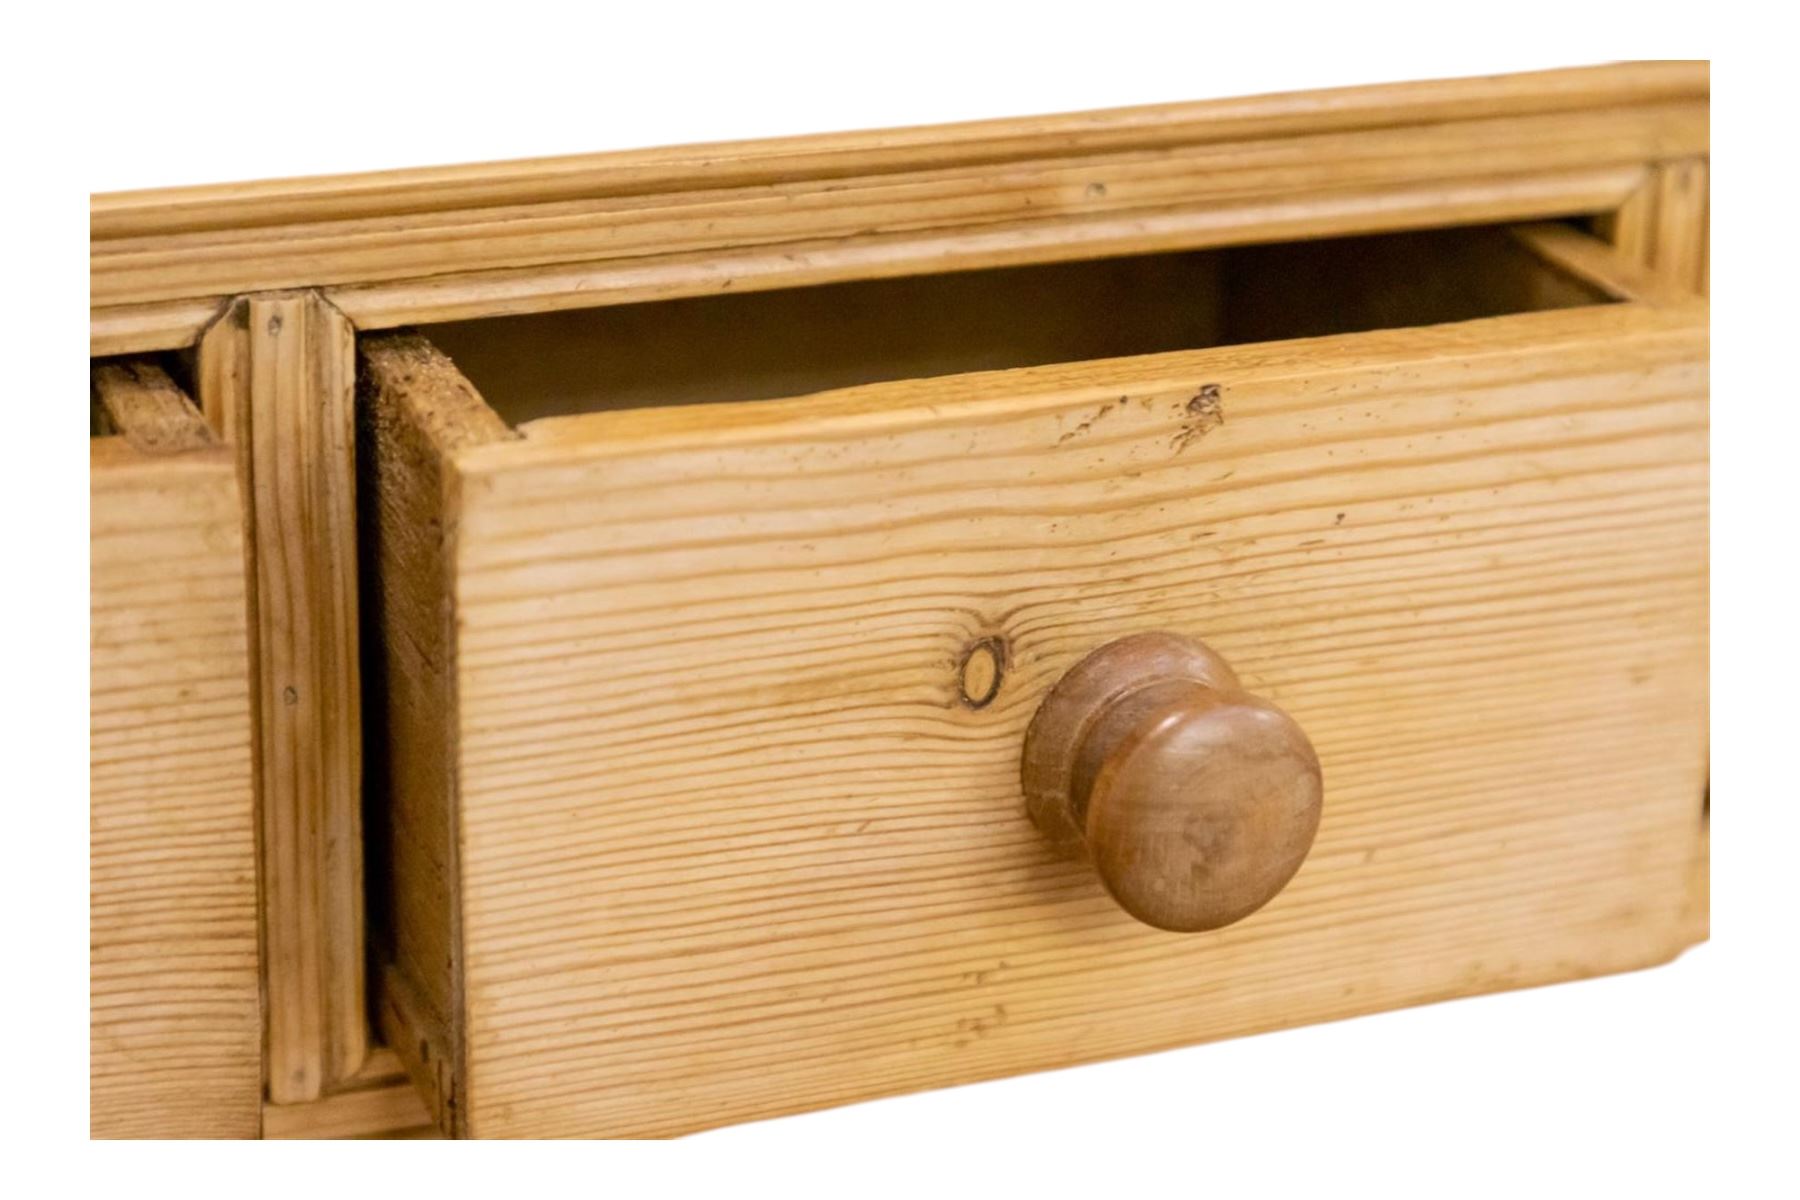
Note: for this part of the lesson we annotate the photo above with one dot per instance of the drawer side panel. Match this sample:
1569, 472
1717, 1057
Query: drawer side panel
415, 411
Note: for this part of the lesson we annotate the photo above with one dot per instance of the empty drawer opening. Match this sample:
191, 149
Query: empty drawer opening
762, 345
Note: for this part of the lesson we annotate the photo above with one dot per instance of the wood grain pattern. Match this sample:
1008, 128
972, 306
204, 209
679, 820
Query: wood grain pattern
1195, 801
1682, 219
1233, 221
1663, 226
738, 164
731, 844
139, 402
463, 242
175, 1028
1597, 265
540, 718
418, 412
130, 271
276, 377
389, 1110
1630, 227
143, 328
380, 1101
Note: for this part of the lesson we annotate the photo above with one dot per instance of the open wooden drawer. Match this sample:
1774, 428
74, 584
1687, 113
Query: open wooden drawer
700, 690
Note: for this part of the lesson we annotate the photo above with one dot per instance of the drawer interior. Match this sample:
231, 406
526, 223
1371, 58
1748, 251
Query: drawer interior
761, 345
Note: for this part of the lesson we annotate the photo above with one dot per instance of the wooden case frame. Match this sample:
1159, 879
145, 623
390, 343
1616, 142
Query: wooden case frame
264, 286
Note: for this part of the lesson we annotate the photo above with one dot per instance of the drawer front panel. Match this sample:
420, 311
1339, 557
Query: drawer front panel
175, 1034
732, 841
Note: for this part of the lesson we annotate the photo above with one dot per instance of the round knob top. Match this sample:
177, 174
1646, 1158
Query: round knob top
1195, 800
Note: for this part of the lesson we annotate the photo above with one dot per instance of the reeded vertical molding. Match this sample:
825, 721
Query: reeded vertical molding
1664, 224
276, 379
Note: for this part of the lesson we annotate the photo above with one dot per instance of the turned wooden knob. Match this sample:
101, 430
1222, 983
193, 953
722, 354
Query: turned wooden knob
1195, 800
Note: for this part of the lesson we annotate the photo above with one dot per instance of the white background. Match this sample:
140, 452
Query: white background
1678, 1079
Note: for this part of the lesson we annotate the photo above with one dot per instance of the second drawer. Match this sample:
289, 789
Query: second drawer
701, 709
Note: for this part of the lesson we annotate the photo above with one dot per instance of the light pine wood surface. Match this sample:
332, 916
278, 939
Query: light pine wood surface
685, 816
417, 413
175, 1028
1663, 225
459, 242
276, 377
349, 253
1591, 262
731, 846
139, 402
155, 211
380, 1100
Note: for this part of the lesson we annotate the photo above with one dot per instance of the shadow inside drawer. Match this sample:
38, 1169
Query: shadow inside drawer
761, 345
